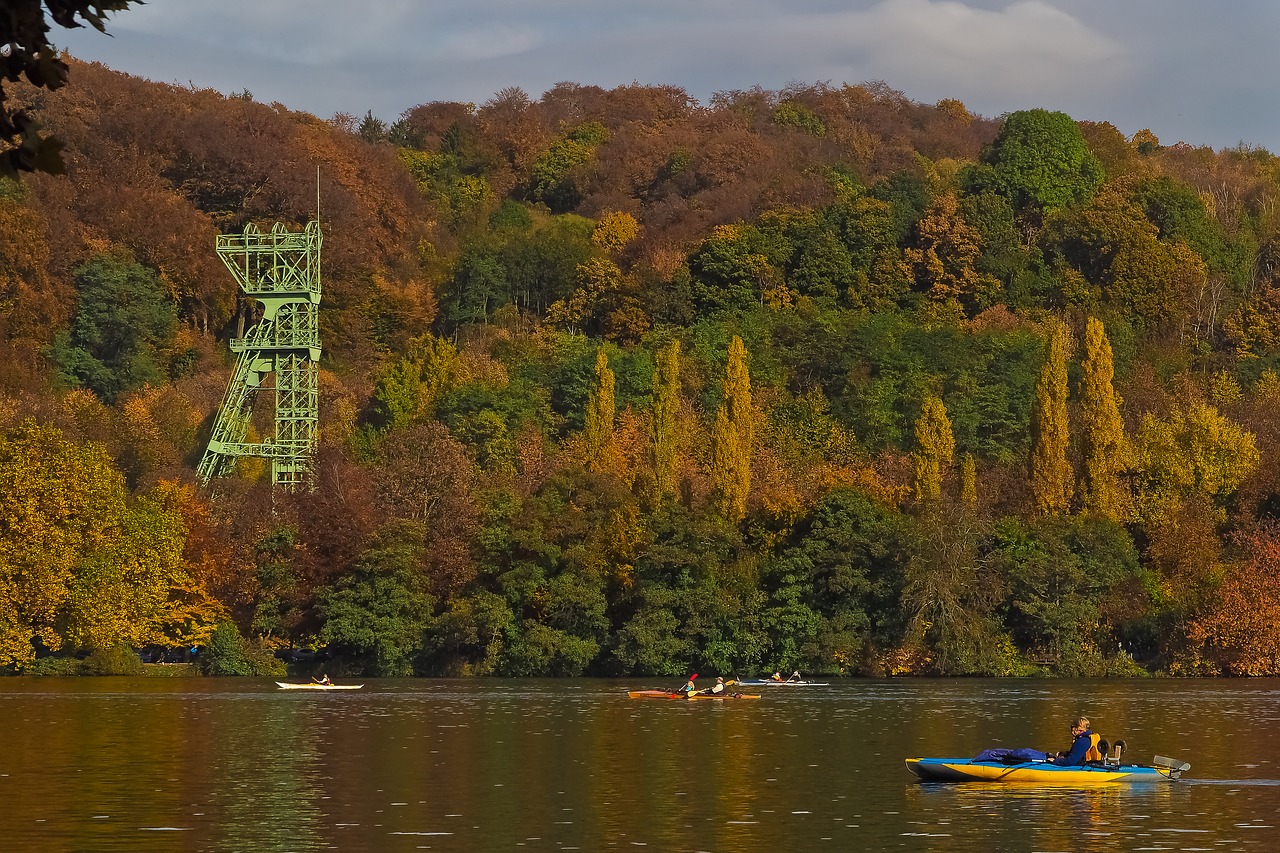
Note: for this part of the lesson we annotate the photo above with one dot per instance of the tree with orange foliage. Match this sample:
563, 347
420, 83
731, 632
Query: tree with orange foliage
1237, 635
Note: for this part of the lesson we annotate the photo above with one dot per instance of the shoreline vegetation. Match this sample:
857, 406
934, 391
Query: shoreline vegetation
615, 383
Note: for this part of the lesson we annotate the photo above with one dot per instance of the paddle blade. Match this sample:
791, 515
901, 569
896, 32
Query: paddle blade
1171, 763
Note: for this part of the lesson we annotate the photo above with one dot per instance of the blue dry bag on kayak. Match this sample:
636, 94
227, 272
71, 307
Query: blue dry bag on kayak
1011, 756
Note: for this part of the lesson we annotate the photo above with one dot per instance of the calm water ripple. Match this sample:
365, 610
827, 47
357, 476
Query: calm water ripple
215, 765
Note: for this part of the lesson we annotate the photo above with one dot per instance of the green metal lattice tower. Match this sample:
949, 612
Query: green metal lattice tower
281, 270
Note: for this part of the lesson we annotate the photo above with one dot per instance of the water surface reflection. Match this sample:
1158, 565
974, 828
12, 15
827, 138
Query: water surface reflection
203, 764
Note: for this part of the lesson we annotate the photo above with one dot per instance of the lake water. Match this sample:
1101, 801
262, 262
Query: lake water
480, 765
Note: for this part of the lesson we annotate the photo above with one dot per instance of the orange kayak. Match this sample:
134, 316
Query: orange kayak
666, 694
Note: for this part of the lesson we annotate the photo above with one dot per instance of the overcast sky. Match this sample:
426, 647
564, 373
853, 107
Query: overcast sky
1201, 72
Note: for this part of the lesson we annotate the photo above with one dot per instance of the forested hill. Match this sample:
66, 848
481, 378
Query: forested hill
615, 382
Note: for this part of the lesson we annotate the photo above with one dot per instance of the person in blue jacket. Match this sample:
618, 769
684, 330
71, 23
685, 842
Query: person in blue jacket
1084, 746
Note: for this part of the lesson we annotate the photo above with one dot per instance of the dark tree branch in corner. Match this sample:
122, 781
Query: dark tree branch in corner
25, 51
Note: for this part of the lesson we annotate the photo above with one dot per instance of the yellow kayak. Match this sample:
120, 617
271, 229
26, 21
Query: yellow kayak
1040, 772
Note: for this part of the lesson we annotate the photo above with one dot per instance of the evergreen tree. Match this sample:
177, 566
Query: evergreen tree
1102, 429
935, 449
666, 403
733, 436
123, 325
1051, 475
598, 426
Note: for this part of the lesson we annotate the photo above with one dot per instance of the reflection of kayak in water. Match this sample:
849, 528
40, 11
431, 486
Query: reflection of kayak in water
664, 694
1043, 772
285, 685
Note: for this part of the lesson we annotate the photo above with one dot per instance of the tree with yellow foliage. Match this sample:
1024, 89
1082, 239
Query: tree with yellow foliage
666, 405
944, 257
1051, 475
1102, 429
935, 449
1194, 452
733, 437
597, 429
81, 564
615, 230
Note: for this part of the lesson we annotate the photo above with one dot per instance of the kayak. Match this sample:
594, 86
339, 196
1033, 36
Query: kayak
760, 682
654, 694
666, 694
1043, 772
284, 685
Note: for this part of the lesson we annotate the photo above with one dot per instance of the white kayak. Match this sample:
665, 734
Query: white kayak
764, 682
284, 685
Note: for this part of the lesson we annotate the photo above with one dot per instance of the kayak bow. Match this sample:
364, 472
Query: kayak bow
1041, 772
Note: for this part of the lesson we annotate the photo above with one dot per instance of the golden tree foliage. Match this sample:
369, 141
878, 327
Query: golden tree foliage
943, 260
597, 427
733, 436
935, 449
666, 406
29, 304
1051, 476
1102, 429
598, 283
80, 564
615, 230
409, 388
1193, 452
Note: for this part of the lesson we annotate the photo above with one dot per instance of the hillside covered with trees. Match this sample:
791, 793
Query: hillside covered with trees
617, 383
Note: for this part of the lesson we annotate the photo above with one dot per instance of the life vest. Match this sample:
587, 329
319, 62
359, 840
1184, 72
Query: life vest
1094, 754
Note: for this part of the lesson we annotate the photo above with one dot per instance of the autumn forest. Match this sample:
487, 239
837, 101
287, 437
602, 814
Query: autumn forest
618, 383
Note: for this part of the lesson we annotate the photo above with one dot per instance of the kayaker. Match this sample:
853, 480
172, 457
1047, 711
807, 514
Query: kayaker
777, 676
689, 686
714, 689
795, 676
1084, 746
324, 679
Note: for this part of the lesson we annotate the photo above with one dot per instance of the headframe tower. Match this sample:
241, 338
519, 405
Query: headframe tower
281, 270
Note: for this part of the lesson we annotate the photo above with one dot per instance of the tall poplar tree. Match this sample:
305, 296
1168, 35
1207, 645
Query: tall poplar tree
598, 426
733, 437
666, 403
935, 449
1051, 475
1102, 429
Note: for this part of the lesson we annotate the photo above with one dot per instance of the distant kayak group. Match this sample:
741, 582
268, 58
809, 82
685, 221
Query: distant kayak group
720, 690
